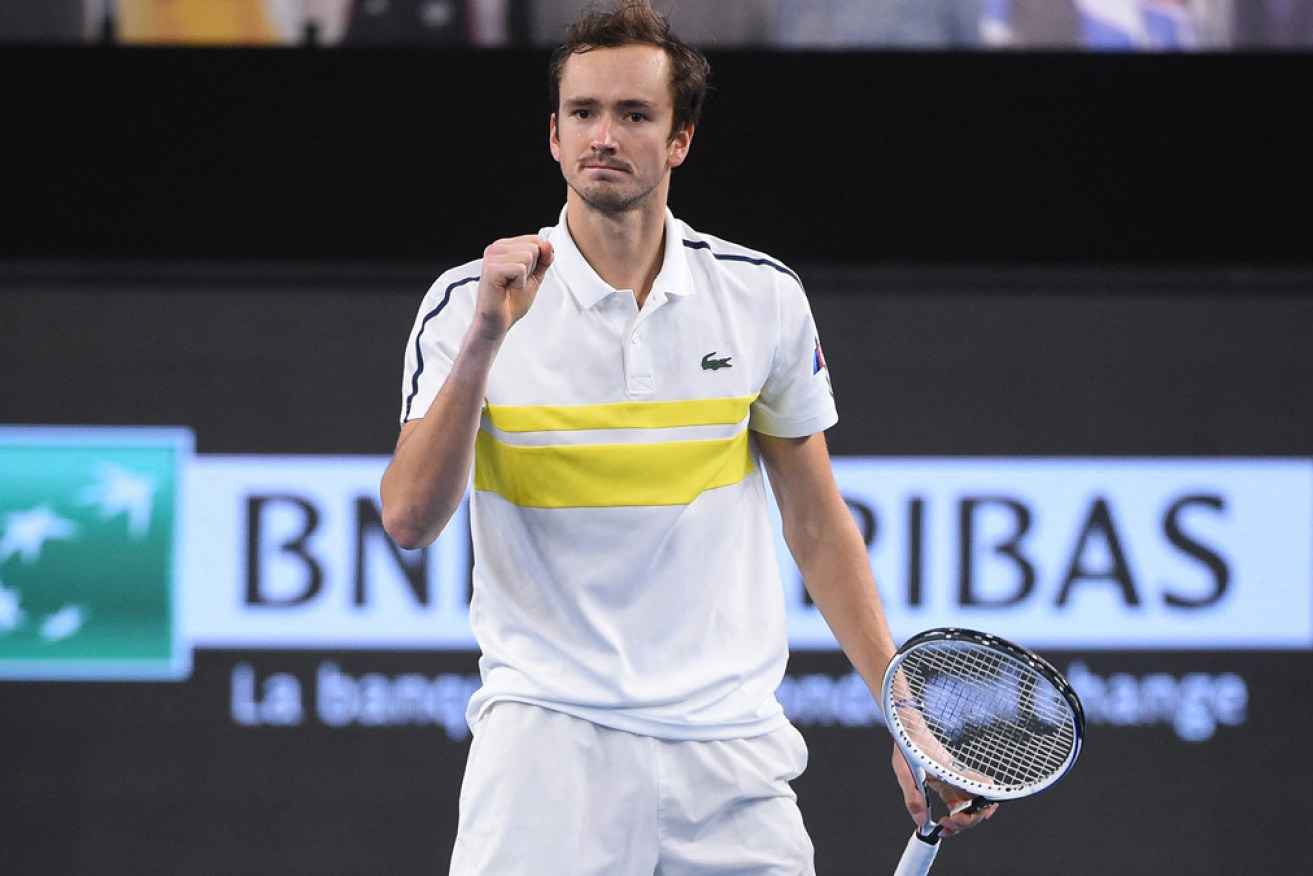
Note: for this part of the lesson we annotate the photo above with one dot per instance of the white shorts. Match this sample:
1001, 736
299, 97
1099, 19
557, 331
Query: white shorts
548, 794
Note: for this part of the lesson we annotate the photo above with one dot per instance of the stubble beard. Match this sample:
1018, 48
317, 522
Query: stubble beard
612, 201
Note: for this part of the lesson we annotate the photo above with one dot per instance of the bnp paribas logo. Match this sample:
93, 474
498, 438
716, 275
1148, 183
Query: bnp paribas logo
89, 536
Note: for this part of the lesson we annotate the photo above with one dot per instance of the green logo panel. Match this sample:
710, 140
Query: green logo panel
89, 539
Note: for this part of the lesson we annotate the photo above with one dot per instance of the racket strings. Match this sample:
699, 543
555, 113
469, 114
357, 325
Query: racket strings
988, 717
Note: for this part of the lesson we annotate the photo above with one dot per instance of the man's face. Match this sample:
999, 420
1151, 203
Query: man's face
611, 132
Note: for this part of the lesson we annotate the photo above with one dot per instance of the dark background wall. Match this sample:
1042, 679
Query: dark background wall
1008, 255
354, 154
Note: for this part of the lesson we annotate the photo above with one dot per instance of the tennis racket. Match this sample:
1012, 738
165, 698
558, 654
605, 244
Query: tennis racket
980, 713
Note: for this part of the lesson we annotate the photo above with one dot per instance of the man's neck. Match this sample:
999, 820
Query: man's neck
626, 250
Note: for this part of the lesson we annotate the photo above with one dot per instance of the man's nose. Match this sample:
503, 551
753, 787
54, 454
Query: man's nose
603, 139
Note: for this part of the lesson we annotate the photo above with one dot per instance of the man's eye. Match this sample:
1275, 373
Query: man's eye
637, 117
581, 114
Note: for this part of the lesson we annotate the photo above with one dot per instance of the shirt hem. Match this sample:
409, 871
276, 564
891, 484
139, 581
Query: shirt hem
629, 722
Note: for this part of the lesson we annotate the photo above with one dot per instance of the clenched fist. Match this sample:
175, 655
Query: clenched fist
513, 271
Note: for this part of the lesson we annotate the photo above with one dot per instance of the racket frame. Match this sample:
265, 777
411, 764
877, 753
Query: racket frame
1024, 657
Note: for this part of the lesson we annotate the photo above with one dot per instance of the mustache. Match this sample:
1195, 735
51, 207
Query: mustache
604, 163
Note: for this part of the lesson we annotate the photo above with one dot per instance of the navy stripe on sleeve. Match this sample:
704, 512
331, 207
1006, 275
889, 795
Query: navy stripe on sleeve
751, 260
419, 350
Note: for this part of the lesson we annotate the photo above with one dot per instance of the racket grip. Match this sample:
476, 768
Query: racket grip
918, 856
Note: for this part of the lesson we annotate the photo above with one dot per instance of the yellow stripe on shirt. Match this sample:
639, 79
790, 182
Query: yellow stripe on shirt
609, 475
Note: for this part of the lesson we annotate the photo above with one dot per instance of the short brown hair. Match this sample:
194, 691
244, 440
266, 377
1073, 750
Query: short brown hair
636, 22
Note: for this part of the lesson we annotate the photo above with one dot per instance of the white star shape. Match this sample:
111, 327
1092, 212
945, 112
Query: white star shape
11, 613
63, 623
26, 532
119, 491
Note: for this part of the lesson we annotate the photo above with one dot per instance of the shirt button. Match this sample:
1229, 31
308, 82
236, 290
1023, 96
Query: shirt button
635, 339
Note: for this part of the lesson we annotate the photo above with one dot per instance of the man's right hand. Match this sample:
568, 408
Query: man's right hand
513, 271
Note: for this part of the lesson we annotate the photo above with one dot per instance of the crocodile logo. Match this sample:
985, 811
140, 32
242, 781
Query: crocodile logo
712, 364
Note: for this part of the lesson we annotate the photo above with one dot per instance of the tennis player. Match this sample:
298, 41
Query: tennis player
620, 385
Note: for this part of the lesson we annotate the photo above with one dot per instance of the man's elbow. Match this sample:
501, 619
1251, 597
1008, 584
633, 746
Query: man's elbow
406, 529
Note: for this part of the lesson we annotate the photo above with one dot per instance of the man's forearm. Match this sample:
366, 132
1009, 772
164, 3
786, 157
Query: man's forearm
838, 579
430, 469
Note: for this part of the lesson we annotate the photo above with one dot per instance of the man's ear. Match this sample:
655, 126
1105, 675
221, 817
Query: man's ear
554, 138
679, 146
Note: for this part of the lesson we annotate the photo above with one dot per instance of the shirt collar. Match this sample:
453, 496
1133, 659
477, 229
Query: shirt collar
572, 270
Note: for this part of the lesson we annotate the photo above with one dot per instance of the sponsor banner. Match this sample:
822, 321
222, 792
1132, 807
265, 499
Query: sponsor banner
290, 552
89, 530
1190, 697
1056, 553
1085, 553
109, 569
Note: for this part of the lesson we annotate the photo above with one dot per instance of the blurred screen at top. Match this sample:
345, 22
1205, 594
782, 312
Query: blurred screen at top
807, 25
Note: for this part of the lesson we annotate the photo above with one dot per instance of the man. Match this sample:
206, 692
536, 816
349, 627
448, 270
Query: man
617, 383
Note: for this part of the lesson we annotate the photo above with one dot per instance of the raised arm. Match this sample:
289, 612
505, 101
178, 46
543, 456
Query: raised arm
430, 468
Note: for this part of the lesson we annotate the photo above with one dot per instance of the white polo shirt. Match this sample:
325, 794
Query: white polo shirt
624, 561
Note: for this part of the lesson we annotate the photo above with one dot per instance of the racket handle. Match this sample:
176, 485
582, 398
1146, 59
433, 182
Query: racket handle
918, 856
